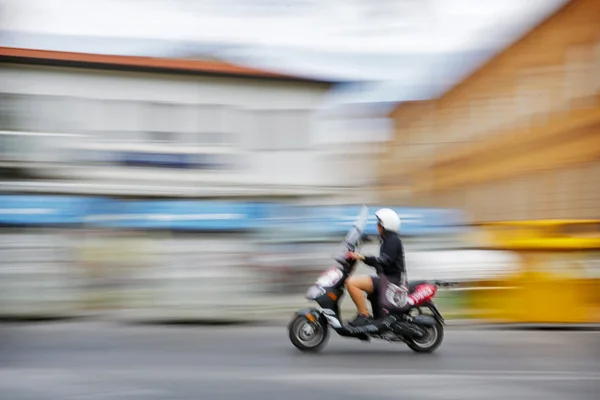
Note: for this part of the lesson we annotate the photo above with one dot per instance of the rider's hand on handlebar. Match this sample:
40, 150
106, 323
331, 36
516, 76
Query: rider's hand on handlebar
354, 256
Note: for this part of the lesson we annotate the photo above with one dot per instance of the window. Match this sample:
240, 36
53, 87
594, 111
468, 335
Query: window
263, 131
236, 127
581, 75
293, 131
8, 112
114, 120
214, 128
37, 113
48, 114
187, 122
430, 134
161, 123
161, 137
16, 113
281, 130
88, 114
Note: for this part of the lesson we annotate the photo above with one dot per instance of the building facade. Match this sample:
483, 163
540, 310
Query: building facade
518, 139
147, 126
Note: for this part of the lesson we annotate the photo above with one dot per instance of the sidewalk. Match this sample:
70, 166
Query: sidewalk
265, 310
278, 311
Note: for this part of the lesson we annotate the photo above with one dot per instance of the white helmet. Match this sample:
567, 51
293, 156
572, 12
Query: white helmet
389, 219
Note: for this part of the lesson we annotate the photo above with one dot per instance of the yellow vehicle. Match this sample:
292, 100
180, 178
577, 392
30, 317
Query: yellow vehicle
558, 279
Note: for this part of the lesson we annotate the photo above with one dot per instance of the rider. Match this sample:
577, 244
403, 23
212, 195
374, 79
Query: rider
390, 262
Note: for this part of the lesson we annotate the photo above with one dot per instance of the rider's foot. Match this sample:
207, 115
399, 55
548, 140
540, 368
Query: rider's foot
360, 320
364, 338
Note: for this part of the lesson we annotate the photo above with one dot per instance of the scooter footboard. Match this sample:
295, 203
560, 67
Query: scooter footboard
375, 327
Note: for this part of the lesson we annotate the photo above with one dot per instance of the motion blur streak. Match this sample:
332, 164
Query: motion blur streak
201, 161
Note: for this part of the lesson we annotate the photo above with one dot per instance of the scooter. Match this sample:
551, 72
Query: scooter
400, 317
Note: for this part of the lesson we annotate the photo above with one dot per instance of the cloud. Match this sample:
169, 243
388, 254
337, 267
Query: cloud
367, 26
399, 40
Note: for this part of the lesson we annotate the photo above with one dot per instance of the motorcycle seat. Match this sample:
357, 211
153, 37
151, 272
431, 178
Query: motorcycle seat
413, 285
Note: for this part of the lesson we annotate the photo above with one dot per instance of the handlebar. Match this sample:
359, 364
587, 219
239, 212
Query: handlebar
445, 284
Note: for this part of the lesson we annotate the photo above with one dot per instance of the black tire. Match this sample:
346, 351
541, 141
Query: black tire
429, 344
295, 332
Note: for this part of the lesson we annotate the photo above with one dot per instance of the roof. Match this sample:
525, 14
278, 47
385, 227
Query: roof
142, 64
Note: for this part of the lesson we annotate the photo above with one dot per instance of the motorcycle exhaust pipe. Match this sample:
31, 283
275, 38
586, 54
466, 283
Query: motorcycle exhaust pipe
407, 330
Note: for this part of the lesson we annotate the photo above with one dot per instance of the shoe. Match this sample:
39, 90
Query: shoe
360, 320
364, 338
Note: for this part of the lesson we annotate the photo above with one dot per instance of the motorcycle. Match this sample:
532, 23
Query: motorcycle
398, 311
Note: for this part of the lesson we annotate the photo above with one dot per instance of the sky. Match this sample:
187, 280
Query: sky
349, 39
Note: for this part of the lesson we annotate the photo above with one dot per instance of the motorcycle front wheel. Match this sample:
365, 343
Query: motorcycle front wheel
307, 336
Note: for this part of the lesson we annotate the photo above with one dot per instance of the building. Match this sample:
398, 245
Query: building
121, 125
107, 127
353, 124
517, 139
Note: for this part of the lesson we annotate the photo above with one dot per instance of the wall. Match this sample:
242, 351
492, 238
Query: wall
517, 139
261, 129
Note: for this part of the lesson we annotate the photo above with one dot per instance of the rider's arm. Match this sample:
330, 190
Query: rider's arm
387, 255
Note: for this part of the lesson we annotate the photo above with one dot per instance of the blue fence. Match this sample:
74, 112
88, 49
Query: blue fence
43, 210
209, 215
415, 221
176, 215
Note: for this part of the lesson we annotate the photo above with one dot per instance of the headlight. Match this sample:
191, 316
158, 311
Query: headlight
314, 292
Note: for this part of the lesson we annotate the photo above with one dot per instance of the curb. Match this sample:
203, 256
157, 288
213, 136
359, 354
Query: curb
283, 322
478, 325
46, 318
541, 327
274, 321
458, 324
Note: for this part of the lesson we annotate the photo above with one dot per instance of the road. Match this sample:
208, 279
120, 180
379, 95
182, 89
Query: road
65, 361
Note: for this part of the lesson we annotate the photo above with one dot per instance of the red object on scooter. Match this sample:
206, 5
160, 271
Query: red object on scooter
422, 294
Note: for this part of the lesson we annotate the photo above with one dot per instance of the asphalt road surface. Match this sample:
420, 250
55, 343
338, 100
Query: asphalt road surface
64, 361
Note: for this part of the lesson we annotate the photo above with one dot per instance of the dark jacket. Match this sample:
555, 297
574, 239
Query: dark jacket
391, 258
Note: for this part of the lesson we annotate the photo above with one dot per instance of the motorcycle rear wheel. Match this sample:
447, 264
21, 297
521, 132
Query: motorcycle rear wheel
307, 336
430, 343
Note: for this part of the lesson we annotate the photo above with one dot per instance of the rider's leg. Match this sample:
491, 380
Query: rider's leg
373, 298
356, 286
